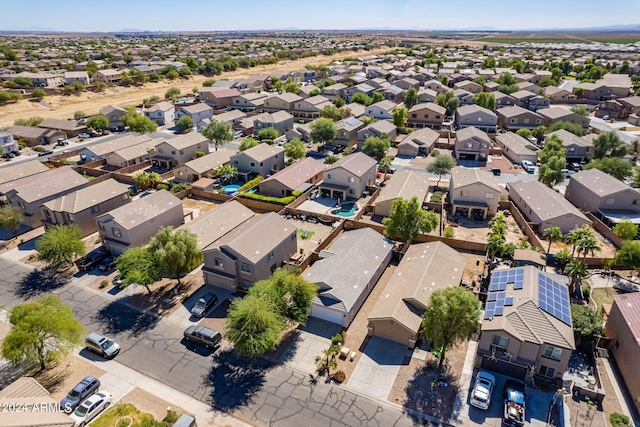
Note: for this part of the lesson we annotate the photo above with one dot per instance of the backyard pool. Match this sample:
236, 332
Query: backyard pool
346, 210
230, 189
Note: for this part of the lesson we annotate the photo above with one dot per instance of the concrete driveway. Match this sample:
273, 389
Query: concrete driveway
378, 367
312, 338
182, 315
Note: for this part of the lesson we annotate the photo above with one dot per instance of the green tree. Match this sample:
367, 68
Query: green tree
60, 245
400, 115
269, 133
563, 256
368, 120
323, 130
39, 94
608, 144
580, 109
146, 180
629, 254
176, 252
331, 159
575, 235
98, 122
574, 128
42, 331
248, 143
410, 97
31, 121
362, 98
576, 270
226, 172
625, 229
253, 325
376, 145
440, 166
407, 219
138, 266
79, 115
291, 87
185, 124
385, 164
486, 100
614, 166
315, 92
588, 244
172, 75
23, 81
552, 234
295, 149
339, 102
587, 323
550, 173
525, 133
449, 101
208, 83
578, 91
141, 124
219, 132
495, 245
377, 97
552, 148
452, 316
10, 218
172, 93
334, 113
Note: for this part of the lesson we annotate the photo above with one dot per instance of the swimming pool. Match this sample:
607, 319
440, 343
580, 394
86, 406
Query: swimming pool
345, 210
230, 189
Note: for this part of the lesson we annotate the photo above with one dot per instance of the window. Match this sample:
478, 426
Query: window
173, 151
95, 209
159, 150
526, 121
610, 201
235, 162
116, 232
351, 179
468, 145
479, 119
245, 267
253, 164
488, 196
261, 163
218, 262
70, 217
414, 116
247, 284
514, 121
538, 121
466, 119
47, 214
572, 149
124, 196
329, 176
546, 371
101, 226
484, 146
426, 116
181, 151
437, 116
553, 352
271, 255
464, 193
351, 191
500, 342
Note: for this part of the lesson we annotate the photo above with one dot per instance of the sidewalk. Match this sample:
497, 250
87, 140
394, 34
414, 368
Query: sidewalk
460, 407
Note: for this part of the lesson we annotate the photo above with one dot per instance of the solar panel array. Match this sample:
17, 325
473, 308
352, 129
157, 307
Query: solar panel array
352, 121
500, 278
553, 297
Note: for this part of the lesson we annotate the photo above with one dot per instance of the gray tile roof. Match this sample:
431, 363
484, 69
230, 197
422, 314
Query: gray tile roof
462, 176
11, 172
142, 210
108, 147
517, 144
210, 161
429, 106
261, 152
188, 140
569, 139
405, 184
544, 200
474, 133
87, 197
297, 173
629, 306
138, 150
213, 224
357, 164
514, 111
196, 108
160, 106
555, 112
600, 183
45, 184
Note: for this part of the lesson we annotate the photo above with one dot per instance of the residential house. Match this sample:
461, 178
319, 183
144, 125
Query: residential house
578, 149
197, 112
261, 160
76, 76
70, 128
609, 87
472, 144
556, 114
81, 207
202, 167
427, 95
418, 143
307, 110
545, 208
556, 93
407, 83
382, 110
218, 98
101, 150
233, 117
109, 76
40, 79
623, 331
163, 113
541, 75
529, 100
299, 176
30, 192
491, 87
333, 91
425, 268
347, 135
114, 114
476, 116
405, 184
429, 115
178, 151
436, 85
134, 154
504, 100
527, 323
631, 105
469, 86
392, 93
135, 223
27, 392
7, 143
14, 171
280, 121
517, 148
379, 128
348, 93
349, 177
282, 102
306, 90
239, 259
473, 192
346, 273
249, 102
514, 118
304, 75
33, 136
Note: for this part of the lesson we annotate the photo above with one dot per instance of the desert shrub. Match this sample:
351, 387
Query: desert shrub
448, 232
104, 284
436, 197
162, 186
38, 148
619, 420
171, 417
435, 153
339, 377
586, 293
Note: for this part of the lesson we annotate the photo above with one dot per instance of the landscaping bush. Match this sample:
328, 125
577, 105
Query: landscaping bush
436, 197
267, 199
162, 186
182, 186
267, 141
21, 144
106, 131
435, 153
339, 377
104, 284
38, 148
249, 184
619, 420
448, 232
586, 293
172, 416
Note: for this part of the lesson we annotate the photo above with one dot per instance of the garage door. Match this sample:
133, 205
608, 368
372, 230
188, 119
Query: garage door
504, 368
327, 314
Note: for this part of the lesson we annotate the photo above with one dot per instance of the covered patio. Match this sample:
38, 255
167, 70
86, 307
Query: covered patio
470, 209
333, 191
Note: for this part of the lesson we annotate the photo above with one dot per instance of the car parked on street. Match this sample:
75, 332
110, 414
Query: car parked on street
118, 281
84, 135
204, 304
481, 394
45, 153
91, 407
82, 390
99, 344
200, 334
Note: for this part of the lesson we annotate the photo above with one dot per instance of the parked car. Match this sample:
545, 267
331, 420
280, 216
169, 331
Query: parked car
528, 166
200, 334
514, 403
62, 142
91, 407
390, 169
84, 135
102, 345
81, 391
576, 167
118, 281
495, 171
106, 264
90, 261
567, 173
45, 153
204, 304
481, 394
8, 155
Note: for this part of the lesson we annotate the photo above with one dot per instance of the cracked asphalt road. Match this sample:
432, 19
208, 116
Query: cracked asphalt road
258, 392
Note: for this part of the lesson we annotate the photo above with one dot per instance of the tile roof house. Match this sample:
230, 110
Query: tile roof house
281, 102
202, 167
300, 176
16, 171
135, 223
261, 160
578, 149
30, 192
7, 143
76, 76
114, 114
473, 191
134, 154
429, 115
307, 110
27, 392
381, 110
163, 113
515, 117
281, 121
249, 102
527, 324
504, 100
347, 135
35, 135
598, 192
81, 207
476, 116
197, 112
517, 148
109, 76
233, 117
239, 259
530, 100
424, 268
544, 207
333, 91
419, 142
405, 184
218, 98
178, 151
346, 273
623, 331
349, 177
472, 144
552, 115
376, 129
70, 127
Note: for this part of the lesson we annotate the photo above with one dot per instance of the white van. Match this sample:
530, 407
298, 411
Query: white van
528, 166
102, 345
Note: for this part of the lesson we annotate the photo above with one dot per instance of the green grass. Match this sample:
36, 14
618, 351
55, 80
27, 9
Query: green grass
112, 415
516, 40
309, 234
604, 296
616, 40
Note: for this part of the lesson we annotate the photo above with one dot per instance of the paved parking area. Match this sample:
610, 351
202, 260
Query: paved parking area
182, 315
312, 338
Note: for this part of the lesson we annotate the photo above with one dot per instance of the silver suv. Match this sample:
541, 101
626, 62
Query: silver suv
207, 337
102, 345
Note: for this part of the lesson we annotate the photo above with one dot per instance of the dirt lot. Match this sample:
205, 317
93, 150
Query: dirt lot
608, 250
424, 161
195, 207
162, 300
63, 107
504, 164
472, 231
473, 268
69, 372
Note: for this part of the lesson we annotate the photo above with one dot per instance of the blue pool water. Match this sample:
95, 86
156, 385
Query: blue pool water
230, 189
346, 210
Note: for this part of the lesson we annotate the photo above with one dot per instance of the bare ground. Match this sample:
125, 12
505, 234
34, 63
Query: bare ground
147, 402
163, 300
61, 378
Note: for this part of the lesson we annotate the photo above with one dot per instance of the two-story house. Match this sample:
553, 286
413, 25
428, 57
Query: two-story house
517, 148
347, 132
598, 192
307, 110
114, 115
197, 112
476, 116
300, 176
379, 128
76, 76
133, 154
418, 143
178, 151
333, 91
349, 177
163, 113
515, 117
529, 100
218, 98
202, 167
282, 102
261, 160
465, 97
81, 207
359, 88
7, 143
406, 185
556, 114
71, 128
473, 192
249, 102
101, 150
135, 223
109, 76
578, 149
429, 115
472, 144
281, 121
469, 86
382, 110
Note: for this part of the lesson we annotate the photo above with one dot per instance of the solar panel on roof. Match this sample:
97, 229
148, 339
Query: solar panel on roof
352, 121
553, 297
508, 301
498, 311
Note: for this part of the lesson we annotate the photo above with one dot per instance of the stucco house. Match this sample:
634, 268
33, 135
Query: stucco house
472, 144
473, 192
202, 167
418, 143
347, 135
598, 192
578, 149
476, 116
429, 115
218, 98
15, 171
349, 177
7, 142
163, 113
552, 115
197, 112
515, 117
307, 110
281, 121
281, 102
381, 110
178, 151
517, 148
261, 160
114, 115
34, 135
109, 76
249, 102
405, 184
300, 176
379, 128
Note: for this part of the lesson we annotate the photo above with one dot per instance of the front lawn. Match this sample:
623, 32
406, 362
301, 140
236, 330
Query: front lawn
120, 415
604, 296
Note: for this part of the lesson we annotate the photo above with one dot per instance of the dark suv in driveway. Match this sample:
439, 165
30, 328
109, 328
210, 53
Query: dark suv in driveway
204, 304
90, 261
79, 393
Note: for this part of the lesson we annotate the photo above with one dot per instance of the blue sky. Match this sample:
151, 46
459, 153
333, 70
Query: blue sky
212, 15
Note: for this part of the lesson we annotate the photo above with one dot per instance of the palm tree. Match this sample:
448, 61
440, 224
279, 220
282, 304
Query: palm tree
576, 270
495, 245
385, 163
587, 244
498, 226
552, 234
574, 235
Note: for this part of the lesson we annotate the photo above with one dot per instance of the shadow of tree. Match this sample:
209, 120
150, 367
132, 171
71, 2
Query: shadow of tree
235, 381
39, 282
428, 394
117, 317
